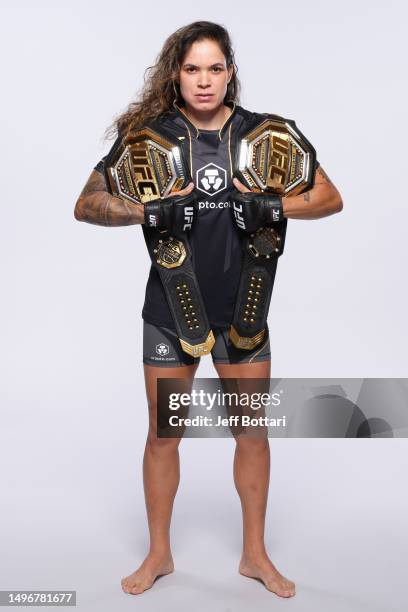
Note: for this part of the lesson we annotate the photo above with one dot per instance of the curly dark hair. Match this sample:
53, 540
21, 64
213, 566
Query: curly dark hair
161, 89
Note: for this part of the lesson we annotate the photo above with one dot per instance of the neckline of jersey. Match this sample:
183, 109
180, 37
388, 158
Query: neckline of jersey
221, 131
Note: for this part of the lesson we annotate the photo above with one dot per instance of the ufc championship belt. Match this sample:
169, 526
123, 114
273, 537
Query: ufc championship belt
272, 156
144, 166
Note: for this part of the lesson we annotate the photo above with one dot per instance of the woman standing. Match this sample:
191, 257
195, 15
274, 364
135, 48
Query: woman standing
193, 88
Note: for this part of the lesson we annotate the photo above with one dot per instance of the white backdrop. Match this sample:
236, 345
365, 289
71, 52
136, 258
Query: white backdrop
74, 414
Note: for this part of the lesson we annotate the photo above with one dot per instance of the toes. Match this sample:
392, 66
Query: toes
127, 586
138, 589
290, 589
282, 592
132, 590
285, 590
135, 588
288, 592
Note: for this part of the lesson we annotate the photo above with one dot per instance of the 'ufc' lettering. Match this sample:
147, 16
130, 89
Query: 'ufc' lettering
238, 216
275, 214
188, 217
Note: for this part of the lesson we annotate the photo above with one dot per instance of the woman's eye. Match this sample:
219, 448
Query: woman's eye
215, 69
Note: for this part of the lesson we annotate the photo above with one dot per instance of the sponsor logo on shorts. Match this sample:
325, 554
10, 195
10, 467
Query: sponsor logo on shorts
162, 349
162, 353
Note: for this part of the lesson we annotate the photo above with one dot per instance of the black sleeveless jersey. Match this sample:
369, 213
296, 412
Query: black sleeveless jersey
215, 241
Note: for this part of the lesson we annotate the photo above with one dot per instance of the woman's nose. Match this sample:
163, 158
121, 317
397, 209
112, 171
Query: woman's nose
203, 80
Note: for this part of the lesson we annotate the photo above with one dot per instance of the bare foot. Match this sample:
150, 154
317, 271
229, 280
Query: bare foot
262, 568
143, 578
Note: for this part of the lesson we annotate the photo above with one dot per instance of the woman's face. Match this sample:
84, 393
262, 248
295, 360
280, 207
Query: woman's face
204, 76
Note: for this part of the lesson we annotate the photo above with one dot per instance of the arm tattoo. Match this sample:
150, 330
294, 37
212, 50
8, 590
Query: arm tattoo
96, 205
306, 196
96, 182
324, 175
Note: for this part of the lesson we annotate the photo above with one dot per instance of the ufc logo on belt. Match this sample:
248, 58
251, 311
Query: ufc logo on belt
279, 161
188, 217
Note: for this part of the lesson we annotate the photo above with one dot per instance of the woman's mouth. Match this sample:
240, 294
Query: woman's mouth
204, 97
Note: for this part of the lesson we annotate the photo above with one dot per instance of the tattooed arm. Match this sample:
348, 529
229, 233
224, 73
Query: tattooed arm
96, 205
321, 201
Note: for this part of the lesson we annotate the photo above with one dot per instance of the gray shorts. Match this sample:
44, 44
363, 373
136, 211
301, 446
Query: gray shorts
161, 347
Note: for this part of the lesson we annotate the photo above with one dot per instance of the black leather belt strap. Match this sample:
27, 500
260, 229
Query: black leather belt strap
147, 165
260, 260
171, 256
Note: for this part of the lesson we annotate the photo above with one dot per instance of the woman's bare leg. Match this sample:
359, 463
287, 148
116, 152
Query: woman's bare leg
161, 475
251, 476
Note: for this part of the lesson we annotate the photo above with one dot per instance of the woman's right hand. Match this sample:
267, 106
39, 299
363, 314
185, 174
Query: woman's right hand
174, 213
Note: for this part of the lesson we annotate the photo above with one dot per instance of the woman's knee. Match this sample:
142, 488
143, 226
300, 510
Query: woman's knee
252, 444
160, 445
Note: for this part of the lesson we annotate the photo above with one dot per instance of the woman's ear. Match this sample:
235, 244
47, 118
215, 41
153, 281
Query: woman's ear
230, 72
